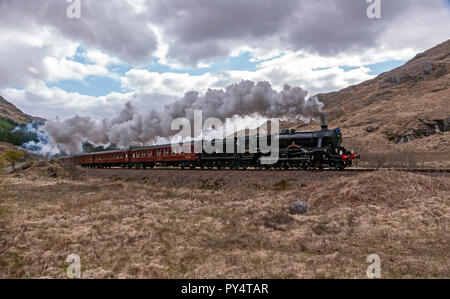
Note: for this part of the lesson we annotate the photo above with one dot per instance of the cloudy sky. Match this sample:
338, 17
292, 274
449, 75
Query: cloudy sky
152, 52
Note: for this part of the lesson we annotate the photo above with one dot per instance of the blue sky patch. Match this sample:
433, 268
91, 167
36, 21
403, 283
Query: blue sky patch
119, 69
80, 56
349, 68
92, 86
375, 69
241, 62
382, 67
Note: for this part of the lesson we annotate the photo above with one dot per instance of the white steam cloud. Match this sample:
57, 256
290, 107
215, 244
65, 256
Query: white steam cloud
41, 143
131, 127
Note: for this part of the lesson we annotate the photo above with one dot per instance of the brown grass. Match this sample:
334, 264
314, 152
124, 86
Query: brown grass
138, 229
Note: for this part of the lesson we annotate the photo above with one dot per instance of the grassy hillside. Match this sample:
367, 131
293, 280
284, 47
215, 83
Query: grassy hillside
7, 133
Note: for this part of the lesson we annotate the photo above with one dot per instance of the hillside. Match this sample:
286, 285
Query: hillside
406, 109
10, 112
10, 118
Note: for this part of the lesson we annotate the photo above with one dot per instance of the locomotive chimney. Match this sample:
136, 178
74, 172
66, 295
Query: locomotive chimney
323, 121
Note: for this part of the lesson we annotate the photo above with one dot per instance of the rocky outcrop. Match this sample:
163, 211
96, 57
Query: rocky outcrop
425, 70
424, 129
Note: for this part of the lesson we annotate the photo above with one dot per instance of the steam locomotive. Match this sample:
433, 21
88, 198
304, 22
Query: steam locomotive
297, 150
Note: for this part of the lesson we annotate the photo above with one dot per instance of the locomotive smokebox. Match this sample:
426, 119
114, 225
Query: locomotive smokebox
324, 127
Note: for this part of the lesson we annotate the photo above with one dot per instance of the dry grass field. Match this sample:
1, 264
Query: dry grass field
220, 224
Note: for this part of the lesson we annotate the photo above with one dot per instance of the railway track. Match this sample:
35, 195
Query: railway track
354, 170
414, 170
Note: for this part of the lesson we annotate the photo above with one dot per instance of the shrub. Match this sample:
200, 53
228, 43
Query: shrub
12, 157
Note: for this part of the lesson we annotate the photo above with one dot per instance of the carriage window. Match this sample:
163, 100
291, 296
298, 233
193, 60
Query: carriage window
159, 153
166, 152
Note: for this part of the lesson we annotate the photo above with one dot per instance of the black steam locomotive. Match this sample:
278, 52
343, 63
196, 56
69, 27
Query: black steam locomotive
296, 150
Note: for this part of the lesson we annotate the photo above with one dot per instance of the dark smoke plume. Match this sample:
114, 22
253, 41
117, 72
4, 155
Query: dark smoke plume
131, 127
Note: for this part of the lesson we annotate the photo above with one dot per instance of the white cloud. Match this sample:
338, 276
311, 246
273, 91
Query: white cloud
175, 84
309, 71
99, 58
420, 26
38, 99
42, 55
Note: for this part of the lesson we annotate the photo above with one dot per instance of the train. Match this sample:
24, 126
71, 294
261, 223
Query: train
304, 150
